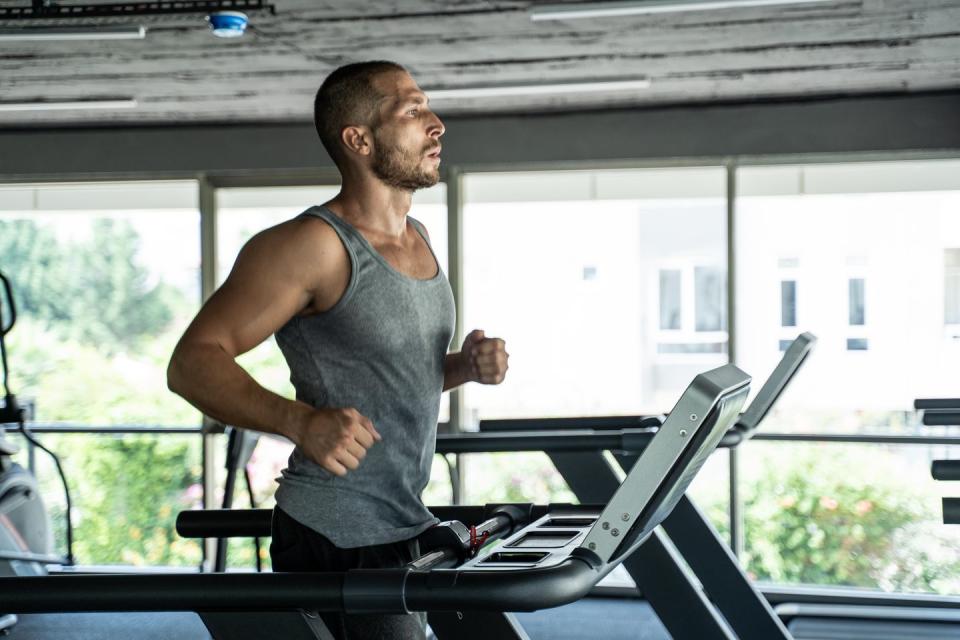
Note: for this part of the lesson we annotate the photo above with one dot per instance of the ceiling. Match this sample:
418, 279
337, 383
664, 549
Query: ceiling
181, 74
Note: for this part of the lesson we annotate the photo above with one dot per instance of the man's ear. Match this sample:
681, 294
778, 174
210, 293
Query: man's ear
357, 139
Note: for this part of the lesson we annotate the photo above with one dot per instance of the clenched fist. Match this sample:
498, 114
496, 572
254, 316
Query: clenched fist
485, 358
336, 439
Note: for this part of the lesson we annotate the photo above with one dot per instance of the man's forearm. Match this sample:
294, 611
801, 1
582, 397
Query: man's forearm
209, 379
455, 372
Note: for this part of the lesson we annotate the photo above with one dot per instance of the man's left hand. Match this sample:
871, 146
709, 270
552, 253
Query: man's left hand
485, 358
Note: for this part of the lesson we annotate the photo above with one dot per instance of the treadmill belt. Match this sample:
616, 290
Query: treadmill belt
165, 625
592, 617
853, 629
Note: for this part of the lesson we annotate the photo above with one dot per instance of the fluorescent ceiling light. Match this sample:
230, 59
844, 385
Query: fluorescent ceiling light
118, 103
94, 32
506, 90
636, 8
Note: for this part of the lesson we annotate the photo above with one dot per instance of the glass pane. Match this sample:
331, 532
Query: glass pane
848, 514
243, 212
788, 303
710, 491
951, 286
849, 226
710, 293
857, 344
670, 299
126, 490
106, 277
513, 477
567, 267
857, 302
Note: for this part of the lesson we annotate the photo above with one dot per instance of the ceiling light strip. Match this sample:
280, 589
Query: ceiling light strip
42, 10
508, 90
123, 103
105, 32
636, 8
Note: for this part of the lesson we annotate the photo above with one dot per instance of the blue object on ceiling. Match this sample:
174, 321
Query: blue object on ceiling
228, 24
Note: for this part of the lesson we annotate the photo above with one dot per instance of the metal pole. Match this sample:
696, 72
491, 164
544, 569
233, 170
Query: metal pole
736, 505
208, 284
455, 276
31, 459
731, 262
736, 510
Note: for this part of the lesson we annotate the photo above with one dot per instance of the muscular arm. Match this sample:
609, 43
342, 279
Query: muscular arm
262, 292
481, 359
455, 372
281, 272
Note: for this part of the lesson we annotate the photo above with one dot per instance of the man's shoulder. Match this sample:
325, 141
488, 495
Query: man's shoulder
306, 244
305, 231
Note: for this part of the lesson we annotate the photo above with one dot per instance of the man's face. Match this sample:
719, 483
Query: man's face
406, 152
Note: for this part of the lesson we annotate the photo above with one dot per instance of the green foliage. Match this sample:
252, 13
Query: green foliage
90, 290
93, 335
514, 477
127, 491
78, 383
140, 481
94, 332
842, 516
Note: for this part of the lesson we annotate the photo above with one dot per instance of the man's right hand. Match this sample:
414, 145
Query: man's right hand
336, 439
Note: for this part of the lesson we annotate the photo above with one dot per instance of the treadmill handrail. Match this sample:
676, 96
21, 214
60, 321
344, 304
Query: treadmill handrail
625, 440
359, 590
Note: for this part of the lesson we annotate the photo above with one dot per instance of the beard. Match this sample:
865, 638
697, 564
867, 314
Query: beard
401, 168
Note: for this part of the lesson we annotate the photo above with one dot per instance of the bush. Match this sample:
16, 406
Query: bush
126, 493
843, 516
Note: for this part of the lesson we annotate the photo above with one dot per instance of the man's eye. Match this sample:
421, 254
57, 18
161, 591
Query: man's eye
413, 112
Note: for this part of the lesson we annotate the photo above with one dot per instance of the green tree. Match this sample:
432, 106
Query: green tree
93, 291
94, 332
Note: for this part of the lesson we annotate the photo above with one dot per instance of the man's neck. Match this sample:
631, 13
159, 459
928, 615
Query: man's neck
371, 205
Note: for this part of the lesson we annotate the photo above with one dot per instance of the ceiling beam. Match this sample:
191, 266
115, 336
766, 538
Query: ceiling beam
907, 123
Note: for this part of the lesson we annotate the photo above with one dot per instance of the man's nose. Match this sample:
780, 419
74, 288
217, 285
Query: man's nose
436, 128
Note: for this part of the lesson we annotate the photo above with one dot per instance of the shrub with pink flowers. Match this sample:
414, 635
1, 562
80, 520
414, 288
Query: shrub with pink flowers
845, 515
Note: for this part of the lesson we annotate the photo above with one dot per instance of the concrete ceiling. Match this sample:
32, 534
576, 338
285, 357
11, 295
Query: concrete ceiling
182, 74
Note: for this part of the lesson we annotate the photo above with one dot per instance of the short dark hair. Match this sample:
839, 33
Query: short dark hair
347, 97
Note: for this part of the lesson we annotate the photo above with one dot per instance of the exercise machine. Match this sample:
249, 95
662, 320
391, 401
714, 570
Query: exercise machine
547, 556
26, 539
685, 571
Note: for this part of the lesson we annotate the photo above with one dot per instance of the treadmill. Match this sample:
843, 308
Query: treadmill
685, 571
545, 556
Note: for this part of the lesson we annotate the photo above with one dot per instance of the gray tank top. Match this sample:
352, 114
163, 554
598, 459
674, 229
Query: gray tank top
380, 350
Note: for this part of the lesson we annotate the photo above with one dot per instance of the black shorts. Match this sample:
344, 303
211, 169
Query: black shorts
296, 547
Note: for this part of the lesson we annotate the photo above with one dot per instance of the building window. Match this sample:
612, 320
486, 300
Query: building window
856, 344
670, 296
857, 302
708, 289
951, 286
788, 303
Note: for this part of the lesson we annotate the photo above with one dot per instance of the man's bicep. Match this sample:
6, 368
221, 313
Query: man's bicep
238, 316
262, 292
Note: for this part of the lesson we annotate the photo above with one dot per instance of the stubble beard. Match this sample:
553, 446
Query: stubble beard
402, 169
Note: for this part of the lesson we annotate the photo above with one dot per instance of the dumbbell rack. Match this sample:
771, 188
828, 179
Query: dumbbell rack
943, 412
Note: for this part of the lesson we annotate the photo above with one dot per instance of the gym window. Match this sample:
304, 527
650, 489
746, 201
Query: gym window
951, 286
788, 303
857, 301
671, 310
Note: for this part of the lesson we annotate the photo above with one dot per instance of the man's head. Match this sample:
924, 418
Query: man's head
373, 115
